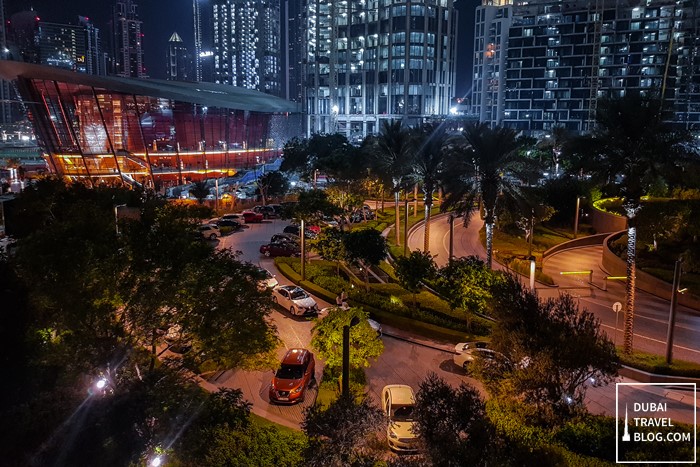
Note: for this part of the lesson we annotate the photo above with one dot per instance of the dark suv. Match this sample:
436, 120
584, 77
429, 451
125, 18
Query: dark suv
294, 230
293, 377
268, 212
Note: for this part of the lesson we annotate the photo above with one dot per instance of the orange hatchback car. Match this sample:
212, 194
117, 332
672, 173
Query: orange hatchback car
293, 377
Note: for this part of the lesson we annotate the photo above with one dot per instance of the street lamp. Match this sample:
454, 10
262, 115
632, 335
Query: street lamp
451, 221
578, 208
677, 271
346, 355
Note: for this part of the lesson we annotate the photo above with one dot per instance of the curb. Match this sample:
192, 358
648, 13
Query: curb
646, 377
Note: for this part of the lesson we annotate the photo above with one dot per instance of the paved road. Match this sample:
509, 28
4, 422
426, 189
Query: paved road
651, 312
401, 363
650, 332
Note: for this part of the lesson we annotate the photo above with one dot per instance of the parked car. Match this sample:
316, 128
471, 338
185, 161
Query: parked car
280, 249
294, 230
284, 237
234, 217
209, 231
398, 403
294, 376
464, 346
295, 299
234, 225
268, 212
269, 282
469, 356
252, 217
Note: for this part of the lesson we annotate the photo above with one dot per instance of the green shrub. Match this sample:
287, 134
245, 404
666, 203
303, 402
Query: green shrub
333, 284
657, 364
589, 435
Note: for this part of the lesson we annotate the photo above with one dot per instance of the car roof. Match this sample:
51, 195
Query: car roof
294, 356
401, 394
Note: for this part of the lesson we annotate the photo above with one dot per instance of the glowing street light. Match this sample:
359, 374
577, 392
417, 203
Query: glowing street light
156, 461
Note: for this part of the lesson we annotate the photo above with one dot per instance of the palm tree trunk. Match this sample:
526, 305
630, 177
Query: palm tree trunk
428, 205
397, 217
489, 243
415, 200
630, 286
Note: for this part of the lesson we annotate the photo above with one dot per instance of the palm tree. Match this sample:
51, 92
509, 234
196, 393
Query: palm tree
389, 153
477, 164
634, 148
428, 143
200, 190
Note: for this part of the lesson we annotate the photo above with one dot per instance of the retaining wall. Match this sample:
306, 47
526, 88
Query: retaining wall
605, 222
615, 266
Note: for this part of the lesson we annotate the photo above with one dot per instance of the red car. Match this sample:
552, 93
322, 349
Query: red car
252, 217
293, 377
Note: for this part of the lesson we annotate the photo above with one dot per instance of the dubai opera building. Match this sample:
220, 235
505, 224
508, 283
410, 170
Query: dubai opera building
149, 132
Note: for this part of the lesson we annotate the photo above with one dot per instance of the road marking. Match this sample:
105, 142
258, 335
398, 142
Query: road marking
675, 346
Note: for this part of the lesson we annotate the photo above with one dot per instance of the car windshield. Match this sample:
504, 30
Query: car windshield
403, 413
298, 294
290, 372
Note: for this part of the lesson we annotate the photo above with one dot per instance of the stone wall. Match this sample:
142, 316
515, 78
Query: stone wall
604, 222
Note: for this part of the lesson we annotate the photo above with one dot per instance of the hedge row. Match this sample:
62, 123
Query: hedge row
382, 299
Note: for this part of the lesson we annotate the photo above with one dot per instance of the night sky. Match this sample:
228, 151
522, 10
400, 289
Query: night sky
162, 17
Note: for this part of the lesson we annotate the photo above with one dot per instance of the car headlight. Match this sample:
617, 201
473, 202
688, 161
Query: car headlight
297, 390
393, 435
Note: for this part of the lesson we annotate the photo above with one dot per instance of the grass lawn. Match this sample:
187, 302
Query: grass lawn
260, 421
657, 364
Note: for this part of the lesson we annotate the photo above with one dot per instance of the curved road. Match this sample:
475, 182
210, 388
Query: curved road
651, 315
401, 363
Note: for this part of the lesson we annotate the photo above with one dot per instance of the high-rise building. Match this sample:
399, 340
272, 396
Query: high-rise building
72, 47
293, 50
5, 96
372, 60
127, 40
203, 48
557, 60
246, 44
178, 60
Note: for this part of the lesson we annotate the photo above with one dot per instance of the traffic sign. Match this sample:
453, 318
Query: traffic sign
617, 307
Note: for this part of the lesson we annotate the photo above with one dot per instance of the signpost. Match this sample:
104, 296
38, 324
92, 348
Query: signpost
617, 308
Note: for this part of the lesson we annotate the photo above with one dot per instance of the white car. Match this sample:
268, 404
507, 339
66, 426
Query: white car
464, 346
210, 231
398, 403
295, 299
466, 358
269, 282
234, 217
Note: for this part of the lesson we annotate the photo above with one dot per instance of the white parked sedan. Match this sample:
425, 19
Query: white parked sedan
464, 346
466, 358
398, 403
295, 299
269, 282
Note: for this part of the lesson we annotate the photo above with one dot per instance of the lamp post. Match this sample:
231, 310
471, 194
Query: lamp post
533, 266
451, 221
116, 216
346, 355
677, 271
578, 208
405, 225
303, 249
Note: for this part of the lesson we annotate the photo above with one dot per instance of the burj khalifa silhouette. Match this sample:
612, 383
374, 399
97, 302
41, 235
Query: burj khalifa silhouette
626, 434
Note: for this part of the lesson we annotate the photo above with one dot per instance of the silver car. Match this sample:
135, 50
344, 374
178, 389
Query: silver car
295, 299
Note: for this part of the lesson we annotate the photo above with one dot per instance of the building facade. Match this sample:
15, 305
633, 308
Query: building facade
203, 48
147, 132
178, 62
71, 47
373, 60
563, 58
246, 44
127, 41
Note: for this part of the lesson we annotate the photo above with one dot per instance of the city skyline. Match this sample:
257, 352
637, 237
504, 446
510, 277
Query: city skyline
161, 18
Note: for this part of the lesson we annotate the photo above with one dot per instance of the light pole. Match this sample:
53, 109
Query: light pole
578, 208
532, 233
116, 216
451, 221
405, 225
303, 250
677, 271
346, 355
533, 266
